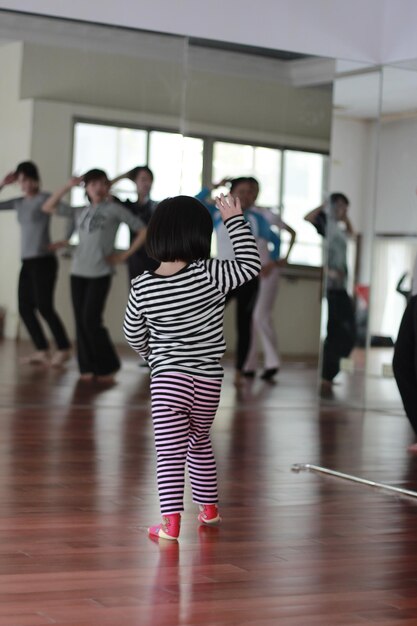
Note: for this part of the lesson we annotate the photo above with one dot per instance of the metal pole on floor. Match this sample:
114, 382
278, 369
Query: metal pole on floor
302, 467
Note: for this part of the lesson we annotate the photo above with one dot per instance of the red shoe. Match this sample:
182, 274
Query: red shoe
209, 514
169, 529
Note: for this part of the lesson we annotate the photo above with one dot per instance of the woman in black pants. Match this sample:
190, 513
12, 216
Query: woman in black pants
405, 364
332, 222
39, 266
92, 268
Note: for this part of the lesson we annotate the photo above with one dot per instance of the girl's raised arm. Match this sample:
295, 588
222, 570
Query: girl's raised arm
228, 275
51, 204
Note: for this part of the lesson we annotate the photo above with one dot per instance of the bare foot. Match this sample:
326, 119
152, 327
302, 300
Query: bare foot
412, 448
60, 357
40, 357
109, 379
87, 376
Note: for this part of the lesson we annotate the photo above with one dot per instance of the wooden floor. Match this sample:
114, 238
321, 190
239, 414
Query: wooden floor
77, 491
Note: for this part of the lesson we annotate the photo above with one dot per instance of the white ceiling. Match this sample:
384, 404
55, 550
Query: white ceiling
376, 31
346, 29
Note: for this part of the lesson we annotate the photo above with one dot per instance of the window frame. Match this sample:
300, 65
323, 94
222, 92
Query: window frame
208, 150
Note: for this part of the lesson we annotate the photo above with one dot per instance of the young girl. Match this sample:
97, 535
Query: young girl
174, 319
92, 270
39, 265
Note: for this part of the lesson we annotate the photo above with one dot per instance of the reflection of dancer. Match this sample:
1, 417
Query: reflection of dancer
341, 329
405, 358
174, 320
246, 294
39, 265
400, 287
92, 269
143, 208
262, 320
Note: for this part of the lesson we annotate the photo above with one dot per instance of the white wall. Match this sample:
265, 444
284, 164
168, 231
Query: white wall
397, 177
353, 157
15, 133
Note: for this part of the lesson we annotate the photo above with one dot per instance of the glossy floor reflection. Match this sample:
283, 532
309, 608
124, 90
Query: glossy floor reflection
77, 488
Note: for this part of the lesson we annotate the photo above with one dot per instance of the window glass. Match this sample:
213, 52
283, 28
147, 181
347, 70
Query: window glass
114, 150
232, 160
177, 164
302, 192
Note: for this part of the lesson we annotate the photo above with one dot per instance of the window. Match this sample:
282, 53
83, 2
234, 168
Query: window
302, 191
232, 160
176, 162
112, 149
291, 181
302, 188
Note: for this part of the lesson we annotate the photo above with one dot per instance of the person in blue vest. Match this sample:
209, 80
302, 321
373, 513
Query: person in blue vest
245, 295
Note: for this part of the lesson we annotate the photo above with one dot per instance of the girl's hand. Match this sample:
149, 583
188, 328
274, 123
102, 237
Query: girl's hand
228, 206
222, 183
117, 258
9, 179
58, 245
75, 181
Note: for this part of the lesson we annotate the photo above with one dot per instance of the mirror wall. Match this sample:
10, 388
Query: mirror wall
349, 243
395, 230
76, 96
374, 141
269, 116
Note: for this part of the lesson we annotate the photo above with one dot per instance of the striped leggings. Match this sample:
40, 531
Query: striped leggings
183, 410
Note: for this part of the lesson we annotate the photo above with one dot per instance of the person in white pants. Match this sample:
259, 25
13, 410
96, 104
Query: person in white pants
262, 320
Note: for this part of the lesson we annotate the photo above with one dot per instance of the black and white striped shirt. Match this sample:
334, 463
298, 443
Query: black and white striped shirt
176, 322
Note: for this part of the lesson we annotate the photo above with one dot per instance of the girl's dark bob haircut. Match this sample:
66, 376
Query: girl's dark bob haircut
134, 173
28, 169
179, 230
94, 174
337, 196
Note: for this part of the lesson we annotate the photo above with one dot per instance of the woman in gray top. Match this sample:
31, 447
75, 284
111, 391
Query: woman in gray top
92, 268
332, 222
39, 265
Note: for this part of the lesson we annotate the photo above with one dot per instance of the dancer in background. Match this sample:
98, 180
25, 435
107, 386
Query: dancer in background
174, 319
405, 364
245, 295
143, 207
405, 355
331, 221
92, 268
262, 320
39, 270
